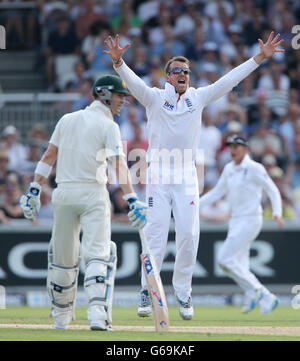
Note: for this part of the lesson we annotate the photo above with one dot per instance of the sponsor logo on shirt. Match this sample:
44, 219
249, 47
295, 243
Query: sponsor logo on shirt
189, 104
150, 202
168, 106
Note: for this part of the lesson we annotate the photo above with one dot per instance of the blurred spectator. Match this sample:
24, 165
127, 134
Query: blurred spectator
80, 74
119, 206
4, 160
232, 112
264, 116
263, 141
148, 9
288, 212
13, 191
184, 25
20, 26
269, 162
49, 12
296, 142
89, 13
61, 41
294, 173
154, 77
296, 202
46, 210
15, 151
246, 94
288, 125
139, 144
230, 46
92, 48
274, 77
211, 56
86, 96
254, 27
127, 14
140, 61
210, 142
29, 164
127, 127
194, 49
40, 135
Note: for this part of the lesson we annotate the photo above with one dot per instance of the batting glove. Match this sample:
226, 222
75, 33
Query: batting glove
30, 203
137, 213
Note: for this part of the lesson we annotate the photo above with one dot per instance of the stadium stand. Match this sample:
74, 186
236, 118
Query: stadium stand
215, 35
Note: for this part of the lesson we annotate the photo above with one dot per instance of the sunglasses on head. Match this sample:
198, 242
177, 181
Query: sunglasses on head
178, 70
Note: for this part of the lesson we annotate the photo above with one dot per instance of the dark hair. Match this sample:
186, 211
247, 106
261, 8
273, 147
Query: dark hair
180, 58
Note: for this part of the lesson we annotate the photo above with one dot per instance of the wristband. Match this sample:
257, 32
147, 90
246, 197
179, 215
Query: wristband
116, 61
127, 196
43, 169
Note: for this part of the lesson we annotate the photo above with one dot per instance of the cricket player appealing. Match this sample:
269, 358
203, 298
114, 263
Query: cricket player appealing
243, 181
174, 122
81, 144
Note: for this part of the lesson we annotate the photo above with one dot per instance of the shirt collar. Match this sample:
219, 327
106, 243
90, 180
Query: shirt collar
244, 162
170, 89
97, 104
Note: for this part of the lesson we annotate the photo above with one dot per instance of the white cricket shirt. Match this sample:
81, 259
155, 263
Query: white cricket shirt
174, 121
85, 139
243, 185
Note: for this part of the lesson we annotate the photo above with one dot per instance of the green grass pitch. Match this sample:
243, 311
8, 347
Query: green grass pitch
282, 324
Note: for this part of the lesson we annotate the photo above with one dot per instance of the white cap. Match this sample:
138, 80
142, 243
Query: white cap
9, 130
210, 46
234, 127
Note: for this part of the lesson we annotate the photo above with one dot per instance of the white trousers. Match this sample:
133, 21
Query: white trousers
183, 201
80, 206
234, 254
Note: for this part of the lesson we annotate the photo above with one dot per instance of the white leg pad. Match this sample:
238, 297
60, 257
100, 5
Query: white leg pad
99, 283
62, 286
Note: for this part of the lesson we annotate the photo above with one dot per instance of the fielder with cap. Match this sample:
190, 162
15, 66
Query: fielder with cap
81, 144
243, 181
174, 123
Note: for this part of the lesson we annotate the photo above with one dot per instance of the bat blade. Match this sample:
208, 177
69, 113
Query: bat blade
156, 292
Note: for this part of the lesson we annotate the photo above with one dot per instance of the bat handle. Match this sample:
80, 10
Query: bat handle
145, 248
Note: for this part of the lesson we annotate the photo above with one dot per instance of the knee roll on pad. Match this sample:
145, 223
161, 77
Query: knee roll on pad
62, 285
99, 281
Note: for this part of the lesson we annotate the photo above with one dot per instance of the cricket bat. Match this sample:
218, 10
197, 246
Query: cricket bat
155, 287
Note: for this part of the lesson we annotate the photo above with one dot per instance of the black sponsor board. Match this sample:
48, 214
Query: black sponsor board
274, 257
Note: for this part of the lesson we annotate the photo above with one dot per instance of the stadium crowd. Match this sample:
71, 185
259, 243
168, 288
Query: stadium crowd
215, 36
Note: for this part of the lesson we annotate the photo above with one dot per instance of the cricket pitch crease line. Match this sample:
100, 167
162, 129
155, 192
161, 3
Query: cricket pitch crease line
253, 330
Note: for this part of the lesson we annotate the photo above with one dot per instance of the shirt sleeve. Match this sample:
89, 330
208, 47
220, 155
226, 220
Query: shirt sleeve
113, 143
216, 193
137, 87
227, 82
262, 178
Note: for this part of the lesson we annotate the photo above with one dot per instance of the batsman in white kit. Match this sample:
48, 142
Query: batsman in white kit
173, 127
243, 181
81, 144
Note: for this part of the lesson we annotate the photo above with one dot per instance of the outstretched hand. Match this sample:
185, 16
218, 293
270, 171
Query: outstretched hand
114, 50
271, 46
279, 221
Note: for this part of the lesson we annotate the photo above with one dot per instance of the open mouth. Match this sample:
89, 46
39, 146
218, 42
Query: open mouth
181, 81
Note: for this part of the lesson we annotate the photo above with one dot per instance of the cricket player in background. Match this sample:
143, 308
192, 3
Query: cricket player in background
80, 144
174, 123
243, 181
